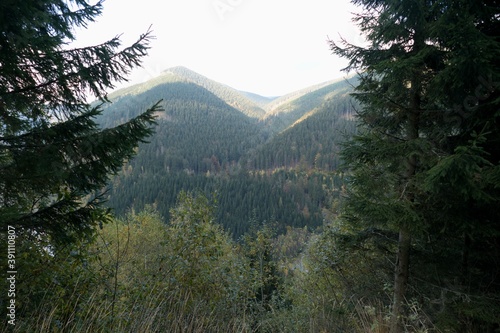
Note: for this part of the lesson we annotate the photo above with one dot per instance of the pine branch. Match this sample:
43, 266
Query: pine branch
84, 71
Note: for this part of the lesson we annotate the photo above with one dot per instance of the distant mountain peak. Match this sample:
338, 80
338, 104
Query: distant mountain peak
285, 109
230, 95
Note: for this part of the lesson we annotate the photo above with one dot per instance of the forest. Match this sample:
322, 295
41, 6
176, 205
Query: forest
366, 204
201, 143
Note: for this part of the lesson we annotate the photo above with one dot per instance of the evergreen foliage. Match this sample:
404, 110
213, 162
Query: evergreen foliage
237, 220
54, 159
291, 198
203, 143
229, 95
426, 161
284, 111
312, 140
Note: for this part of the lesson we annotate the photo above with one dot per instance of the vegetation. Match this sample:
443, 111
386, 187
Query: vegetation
284, 111
421, 169
54, 159
338, 208
203, 143
142, 275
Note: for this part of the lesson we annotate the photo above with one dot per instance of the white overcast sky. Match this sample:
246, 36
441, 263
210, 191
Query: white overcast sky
269, 47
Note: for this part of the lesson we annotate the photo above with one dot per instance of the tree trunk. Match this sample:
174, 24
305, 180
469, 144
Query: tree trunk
401, 273
400, 279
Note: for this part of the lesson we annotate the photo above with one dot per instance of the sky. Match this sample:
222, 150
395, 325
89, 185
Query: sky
268, 47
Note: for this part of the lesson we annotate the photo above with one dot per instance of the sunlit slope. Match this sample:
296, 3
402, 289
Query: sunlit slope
313, 140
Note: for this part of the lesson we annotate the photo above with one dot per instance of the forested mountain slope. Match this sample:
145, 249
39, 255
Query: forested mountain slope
286, 110
229, 95
404, 237
312, 141
261, 101
204, 143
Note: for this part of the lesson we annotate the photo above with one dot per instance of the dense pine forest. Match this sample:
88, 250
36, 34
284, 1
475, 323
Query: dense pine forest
362, 204
252, 165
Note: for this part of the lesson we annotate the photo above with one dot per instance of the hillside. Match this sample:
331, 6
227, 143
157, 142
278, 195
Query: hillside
257, 166
312, 141
231, 96
197, 130
286, 110
183, 205
261, 101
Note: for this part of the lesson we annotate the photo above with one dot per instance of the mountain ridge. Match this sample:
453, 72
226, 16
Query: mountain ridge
270, 104
232, 96
213, 139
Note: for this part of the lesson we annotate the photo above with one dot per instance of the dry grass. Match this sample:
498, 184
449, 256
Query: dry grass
156, 311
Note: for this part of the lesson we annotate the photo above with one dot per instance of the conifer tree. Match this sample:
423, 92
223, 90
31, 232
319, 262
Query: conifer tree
429, 127
54, 157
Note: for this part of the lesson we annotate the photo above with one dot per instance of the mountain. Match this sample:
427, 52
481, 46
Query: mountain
311, 141
196, 129
284, 111
246, 103
261, 101
215, 139
231, 96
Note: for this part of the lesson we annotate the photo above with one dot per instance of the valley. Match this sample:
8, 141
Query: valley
271, 159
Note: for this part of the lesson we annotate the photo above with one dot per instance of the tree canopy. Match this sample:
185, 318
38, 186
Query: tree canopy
427, 162
54, 158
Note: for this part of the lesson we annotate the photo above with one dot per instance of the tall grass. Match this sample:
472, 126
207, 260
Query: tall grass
155, 311
178, 311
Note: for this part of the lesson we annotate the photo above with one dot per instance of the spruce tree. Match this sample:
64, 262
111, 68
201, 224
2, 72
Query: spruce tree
55, 159
426, 161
